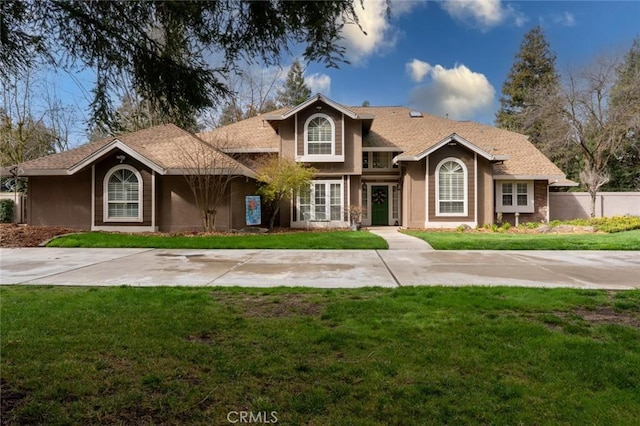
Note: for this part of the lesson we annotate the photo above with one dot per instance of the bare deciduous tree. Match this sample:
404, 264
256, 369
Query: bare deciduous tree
209, 172
583, 121
252, 92
593, 125
33, 122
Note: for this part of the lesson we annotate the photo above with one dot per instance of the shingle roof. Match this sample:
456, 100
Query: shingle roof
391, 127
166, 145
254, 133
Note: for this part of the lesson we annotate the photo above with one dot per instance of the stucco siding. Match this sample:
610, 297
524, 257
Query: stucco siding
574, 205
60, 201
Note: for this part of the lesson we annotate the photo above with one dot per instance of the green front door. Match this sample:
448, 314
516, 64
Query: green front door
379, 205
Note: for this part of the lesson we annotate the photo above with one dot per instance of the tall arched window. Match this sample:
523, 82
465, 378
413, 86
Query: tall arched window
319, 135
451, 188
123, 195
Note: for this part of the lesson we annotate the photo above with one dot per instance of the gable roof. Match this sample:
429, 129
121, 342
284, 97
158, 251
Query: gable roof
159, 148
384, 128
395, 127
317, 97
253, 134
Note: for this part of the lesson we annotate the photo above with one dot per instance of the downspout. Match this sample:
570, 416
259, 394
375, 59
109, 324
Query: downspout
475, 184
153, 200
93, 196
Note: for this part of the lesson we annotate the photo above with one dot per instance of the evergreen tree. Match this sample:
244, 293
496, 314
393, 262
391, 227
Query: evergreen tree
295, 91
230, 113
164, 46
532, 78
532, 102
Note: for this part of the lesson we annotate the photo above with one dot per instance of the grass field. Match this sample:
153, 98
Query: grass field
293, 240
629, 240
425, 355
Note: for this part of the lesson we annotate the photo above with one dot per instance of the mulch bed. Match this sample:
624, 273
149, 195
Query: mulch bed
12, 235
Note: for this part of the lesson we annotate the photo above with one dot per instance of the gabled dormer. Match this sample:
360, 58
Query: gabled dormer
321, 129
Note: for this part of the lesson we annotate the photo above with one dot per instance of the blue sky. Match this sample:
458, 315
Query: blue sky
453, 57
450, 57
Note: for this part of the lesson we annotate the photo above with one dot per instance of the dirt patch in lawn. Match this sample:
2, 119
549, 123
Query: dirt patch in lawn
12, 235
607, 315
9, 399
274, 306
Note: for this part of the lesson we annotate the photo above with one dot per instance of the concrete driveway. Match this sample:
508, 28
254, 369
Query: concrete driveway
319, 268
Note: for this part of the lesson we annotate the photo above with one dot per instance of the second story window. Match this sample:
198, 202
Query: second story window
319, 135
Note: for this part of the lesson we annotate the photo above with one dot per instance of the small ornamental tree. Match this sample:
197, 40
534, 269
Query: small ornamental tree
209, 172
280, 177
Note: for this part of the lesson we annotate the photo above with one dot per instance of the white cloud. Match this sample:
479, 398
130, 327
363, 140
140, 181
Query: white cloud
565, 19
417, 69
318, 83
485, 14
457, 92
379, 35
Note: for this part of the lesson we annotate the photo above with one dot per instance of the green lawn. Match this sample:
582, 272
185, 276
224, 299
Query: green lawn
427, 355
629, 240
294, 240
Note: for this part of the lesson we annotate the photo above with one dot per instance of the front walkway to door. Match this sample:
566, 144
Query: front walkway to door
397, 240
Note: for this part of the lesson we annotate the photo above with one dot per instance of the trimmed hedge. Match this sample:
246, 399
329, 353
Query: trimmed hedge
7, 207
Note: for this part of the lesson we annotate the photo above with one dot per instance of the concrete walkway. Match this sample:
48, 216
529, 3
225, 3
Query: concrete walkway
397, 240
319, 268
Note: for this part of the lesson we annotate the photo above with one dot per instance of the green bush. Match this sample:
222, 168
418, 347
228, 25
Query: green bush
606, 224
6, 211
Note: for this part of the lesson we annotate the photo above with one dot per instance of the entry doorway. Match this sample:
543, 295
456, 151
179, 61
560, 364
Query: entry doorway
379, 205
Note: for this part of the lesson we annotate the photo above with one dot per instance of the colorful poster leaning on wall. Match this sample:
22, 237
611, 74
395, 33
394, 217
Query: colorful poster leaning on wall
252, 207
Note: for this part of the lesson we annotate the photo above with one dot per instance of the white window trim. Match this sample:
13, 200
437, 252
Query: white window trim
465, 211
320, 158
327, 184
529, 208
105, 195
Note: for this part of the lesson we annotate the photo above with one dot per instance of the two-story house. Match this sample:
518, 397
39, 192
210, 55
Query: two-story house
402, 167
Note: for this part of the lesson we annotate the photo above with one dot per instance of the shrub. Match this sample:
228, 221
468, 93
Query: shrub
605, 224
6, 211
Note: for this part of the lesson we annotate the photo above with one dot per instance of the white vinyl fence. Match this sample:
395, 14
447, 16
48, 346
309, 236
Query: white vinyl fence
577, 205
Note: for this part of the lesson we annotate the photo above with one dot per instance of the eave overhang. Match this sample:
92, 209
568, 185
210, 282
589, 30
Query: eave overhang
318, 97
554, 180
224, 171
452, 139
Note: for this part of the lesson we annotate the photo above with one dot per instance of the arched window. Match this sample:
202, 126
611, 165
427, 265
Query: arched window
319, 135
451, 188
123, 195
